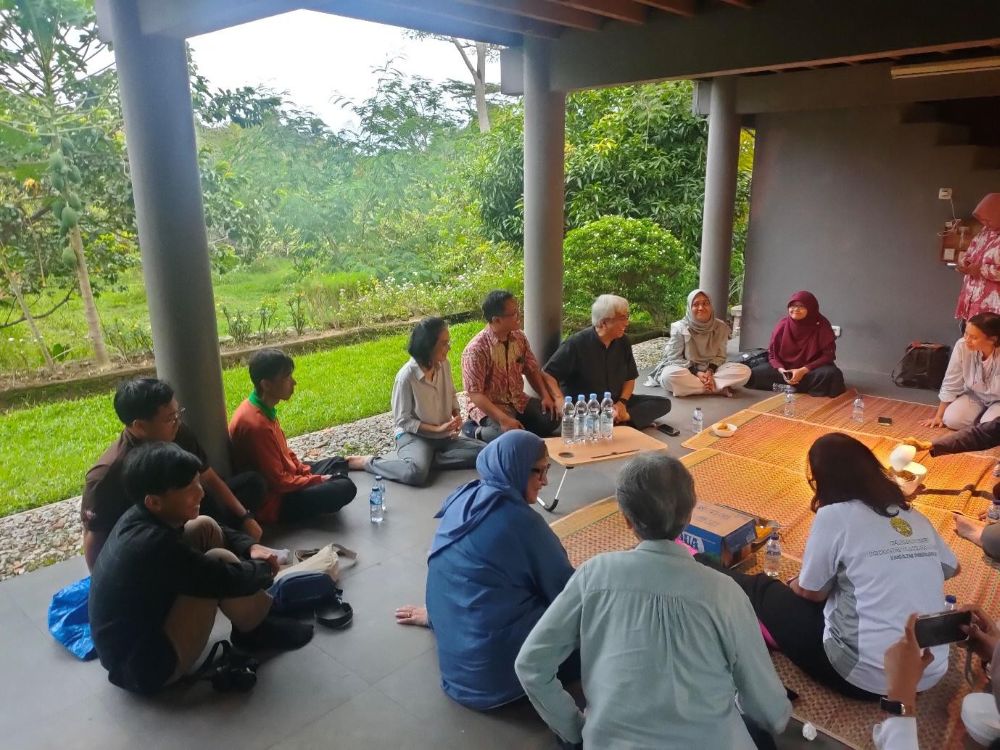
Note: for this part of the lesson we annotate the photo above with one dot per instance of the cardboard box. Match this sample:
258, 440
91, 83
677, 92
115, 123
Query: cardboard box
719, 531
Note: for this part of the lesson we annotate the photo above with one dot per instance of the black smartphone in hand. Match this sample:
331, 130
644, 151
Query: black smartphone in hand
941, 628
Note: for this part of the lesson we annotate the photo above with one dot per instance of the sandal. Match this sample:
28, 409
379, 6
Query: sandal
305, 554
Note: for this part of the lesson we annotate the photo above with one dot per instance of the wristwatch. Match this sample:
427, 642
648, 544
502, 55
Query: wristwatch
247, 516
895, 708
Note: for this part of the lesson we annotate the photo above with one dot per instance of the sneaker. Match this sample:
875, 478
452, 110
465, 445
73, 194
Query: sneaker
274, 633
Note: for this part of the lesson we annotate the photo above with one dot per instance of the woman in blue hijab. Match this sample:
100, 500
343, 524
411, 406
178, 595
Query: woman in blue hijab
493, 569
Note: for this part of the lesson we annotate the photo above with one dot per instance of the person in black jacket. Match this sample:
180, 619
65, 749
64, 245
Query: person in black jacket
165, 570
979, 437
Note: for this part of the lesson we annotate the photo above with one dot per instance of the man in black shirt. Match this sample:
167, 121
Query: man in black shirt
599, 359
164, 571
149, 411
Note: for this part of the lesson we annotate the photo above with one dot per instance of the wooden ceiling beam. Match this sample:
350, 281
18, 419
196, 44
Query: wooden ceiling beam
686, 8
544, 10
620, 10
378, 11
482, 16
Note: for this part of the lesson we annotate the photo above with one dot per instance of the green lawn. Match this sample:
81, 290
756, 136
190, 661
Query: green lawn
243, 289
46, 450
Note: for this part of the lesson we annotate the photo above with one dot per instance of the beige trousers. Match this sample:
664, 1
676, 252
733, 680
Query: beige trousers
189, 622
680, 382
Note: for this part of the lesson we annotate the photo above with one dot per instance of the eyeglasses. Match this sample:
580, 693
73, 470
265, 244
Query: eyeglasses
541, 471
175, 418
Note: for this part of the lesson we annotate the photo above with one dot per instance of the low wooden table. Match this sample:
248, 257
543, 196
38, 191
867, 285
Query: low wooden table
625, 443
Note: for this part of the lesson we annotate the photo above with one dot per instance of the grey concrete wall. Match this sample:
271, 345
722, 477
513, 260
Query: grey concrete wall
844, 204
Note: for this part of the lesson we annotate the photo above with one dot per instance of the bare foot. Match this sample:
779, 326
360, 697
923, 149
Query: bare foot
969, 529
412, 615
357, 463
727, 392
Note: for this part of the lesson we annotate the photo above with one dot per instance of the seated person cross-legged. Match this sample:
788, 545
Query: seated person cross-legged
495, 364
801, 352
150, 412
599, 359
870, 561
694, 362
425, 412
970, 391
494, 566
670, 650
296, 490
164, 571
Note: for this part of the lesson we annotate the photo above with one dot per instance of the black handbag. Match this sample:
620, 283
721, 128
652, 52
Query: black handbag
922, 366
753, 357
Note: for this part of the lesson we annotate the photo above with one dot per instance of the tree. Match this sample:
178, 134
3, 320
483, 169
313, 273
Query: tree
69, 140
482, 52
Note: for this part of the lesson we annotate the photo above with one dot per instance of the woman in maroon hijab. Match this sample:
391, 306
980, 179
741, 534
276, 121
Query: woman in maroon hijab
801, 352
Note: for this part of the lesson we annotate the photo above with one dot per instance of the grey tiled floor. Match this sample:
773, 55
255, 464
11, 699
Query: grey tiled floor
374, 685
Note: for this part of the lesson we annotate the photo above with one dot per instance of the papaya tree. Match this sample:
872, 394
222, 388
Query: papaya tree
60, 125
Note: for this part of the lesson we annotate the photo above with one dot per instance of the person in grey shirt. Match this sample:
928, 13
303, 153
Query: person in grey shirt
425, 412
671, 651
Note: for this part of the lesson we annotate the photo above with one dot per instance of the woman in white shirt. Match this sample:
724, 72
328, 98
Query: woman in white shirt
970, 391
870, 561
425, 412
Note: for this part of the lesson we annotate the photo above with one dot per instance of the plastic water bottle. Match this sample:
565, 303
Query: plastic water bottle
580, 419
375, 506
789, 404
568, 421
380, 483
772, 555
950, 603
607, 417
593, 419
697, 420
993, 513
858, 412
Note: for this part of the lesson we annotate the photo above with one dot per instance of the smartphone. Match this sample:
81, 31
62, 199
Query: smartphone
885, 420
941, 628
792, 695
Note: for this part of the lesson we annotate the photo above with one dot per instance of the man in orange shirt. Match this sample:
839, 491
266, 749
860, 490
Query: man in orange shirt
296, 490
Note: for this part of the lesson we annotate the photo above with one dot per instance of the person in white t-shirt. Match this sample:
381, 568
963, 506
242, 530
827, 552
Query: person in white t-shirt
870, 561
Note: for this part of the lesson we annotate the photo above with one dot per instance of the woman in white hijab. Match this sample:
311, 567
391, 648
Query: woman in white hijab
694, 362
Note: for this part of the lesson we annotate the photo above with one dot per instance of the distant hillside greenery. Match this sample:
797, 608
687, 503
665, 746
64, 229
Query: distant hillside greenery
415, 211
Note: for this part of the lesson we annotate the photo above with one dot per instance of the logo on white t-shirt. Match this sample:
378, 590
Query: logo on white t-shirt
901, 526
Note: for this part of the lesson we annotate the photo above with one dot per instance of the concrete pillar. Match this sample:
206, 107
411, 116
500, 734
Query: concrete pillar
159, 132
544, 180
721, 168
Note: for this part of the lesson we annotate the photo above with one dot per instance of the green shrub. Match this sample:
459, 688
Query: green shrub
634, 258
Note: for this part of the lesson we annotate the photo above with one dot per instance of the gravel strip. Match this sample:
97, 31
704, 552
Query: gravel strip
52, 533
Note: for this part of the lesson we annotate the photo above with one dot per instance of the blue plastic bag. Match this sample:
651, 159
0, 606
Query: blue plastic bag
69, 621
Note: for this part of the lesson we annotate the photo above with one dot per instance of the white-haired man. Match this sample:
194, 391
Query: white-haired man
599, 359
667, 646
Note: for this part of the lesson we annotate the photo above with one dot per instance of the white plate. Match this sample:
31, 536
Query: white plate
723, 429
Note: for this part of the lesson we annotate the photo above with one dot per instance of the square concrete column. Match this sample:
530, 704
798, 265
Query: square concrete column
721, 170
544, 185
163, 162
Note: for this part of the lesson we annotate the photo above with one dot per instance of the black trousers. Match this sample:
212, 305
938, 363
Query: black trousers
533, 419
796, 624
644, 410
328, 497
827, 380
249, 488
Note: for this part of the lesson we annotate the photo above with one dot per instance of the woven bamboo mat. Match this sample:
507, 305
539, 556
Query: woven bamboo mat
772, 491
